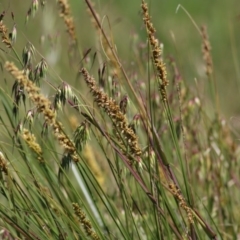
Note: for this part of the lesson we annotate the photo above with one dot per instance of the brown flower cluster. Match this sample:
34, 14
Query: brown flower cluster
206, 50
114, 112
182, 202
31, 142
156, 52
65, 13
3, 164
4, 33
44, 106
85, 222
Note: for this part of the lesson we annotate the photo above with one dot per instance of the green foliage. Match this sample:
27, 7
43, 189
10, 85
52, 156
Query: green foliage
99, 142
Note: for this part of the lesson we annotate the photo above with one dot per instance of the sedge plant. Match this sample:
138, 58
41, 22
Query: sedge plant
115, 151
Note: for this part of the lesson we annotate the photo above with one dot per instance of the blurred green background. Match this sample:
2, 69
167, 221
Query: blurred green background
175, 30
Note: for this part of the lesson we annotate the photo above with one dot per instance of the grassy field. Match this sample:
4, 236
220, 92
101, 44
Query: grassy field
119, 120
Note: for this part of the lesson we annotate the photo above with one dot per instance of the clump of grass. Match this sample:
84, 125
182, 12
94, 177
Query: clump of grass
113, 159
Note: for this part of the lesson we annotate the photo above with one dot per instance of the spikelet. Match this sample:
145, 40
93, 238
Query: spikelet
3, 164
44, 106
114, 112
65, 13
182, 202
31, 142
87, 226
4, 33
156, 52
206, 50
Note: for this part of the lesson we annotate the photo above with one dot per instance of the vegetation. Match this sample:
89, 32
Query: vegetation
98, 146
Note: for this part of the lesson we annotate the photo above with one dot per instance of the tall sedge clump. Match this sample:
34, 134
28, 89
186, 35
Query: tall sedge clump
114, 112
161, 74
164, 179
156, 52
44, 106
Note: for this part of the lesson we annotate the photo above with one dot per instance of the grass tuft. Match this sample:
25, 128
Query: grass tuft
124, 148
